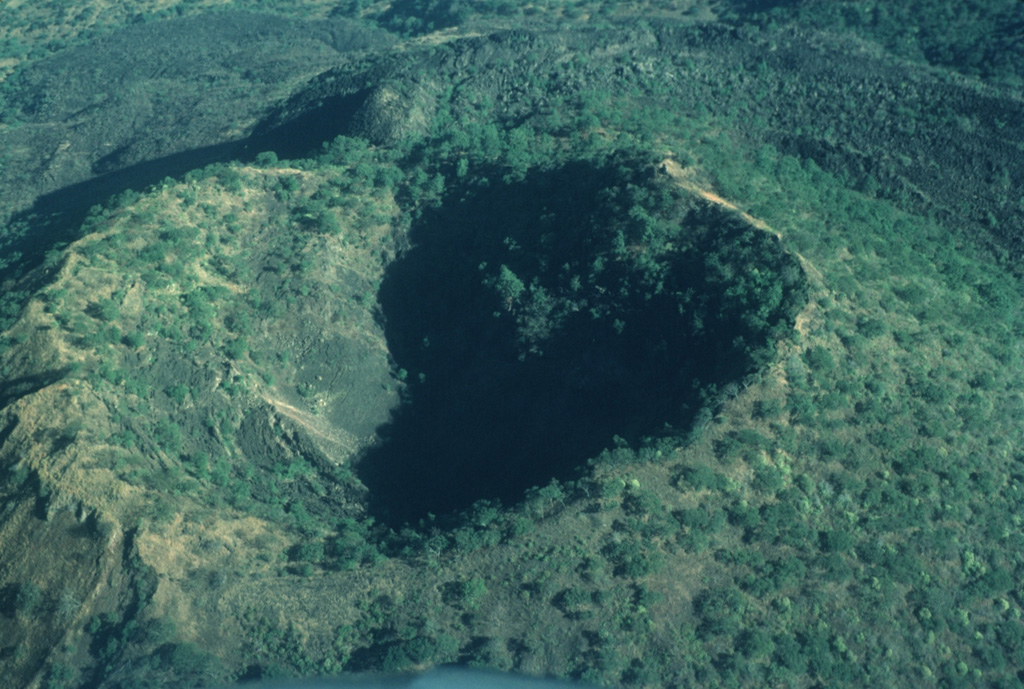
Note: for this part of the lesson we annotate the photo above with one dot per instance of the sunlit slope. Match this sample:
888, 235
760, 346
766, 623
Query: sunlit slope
195, 333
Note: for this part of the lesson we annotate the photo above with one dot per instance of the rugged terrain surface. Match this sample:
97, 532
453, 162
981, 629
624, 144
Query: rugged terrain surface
661, 353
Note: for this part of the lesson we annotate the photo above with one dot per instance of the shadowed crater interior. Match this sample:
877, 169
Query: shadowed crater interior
534, 320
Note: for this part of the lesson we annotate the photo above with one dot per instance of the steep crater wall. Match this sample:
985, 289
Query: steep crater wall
536, 319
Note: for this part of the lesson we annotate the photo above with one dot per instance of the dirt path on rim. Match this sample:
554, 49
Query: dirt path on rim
686, 178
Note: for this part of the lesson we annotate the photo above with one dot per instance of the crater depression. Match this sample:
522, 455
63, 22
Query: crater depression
534, 318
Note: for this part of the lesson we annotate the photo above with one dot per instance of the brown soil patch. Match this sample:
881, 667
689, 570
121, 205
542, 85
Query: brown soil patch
686, 178
335, 445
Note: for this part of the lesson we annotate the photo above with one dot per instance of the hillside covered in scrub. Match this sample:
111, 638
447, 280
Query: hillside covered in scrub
645, 344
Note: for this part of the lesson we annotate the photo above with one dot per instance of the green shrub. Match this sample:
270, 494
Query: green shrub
27, 599
473, 592
702, 476
311, 551
134, 340
266, 159
106, 310
167, 436
236, 348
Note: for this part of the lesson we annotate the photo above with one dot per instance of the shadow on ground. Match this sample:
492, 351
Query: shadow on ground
506, 394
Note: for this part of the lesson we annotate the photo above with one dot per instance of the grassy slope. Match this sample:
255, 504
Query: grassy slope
160, 326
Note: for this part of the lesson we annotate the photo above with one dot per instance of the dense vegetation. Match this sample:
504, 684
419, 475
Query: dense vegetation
976, 37
538, 317
770, 451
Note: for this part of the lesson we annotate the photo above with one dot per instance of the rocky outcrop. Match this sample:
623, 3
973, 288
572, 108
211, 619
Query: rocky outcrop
393, 112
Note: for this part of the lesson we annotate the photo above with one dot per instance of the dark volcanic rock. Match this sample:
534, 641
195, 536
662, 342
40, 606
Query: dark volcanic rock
156, 90
394, 112
181, 94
